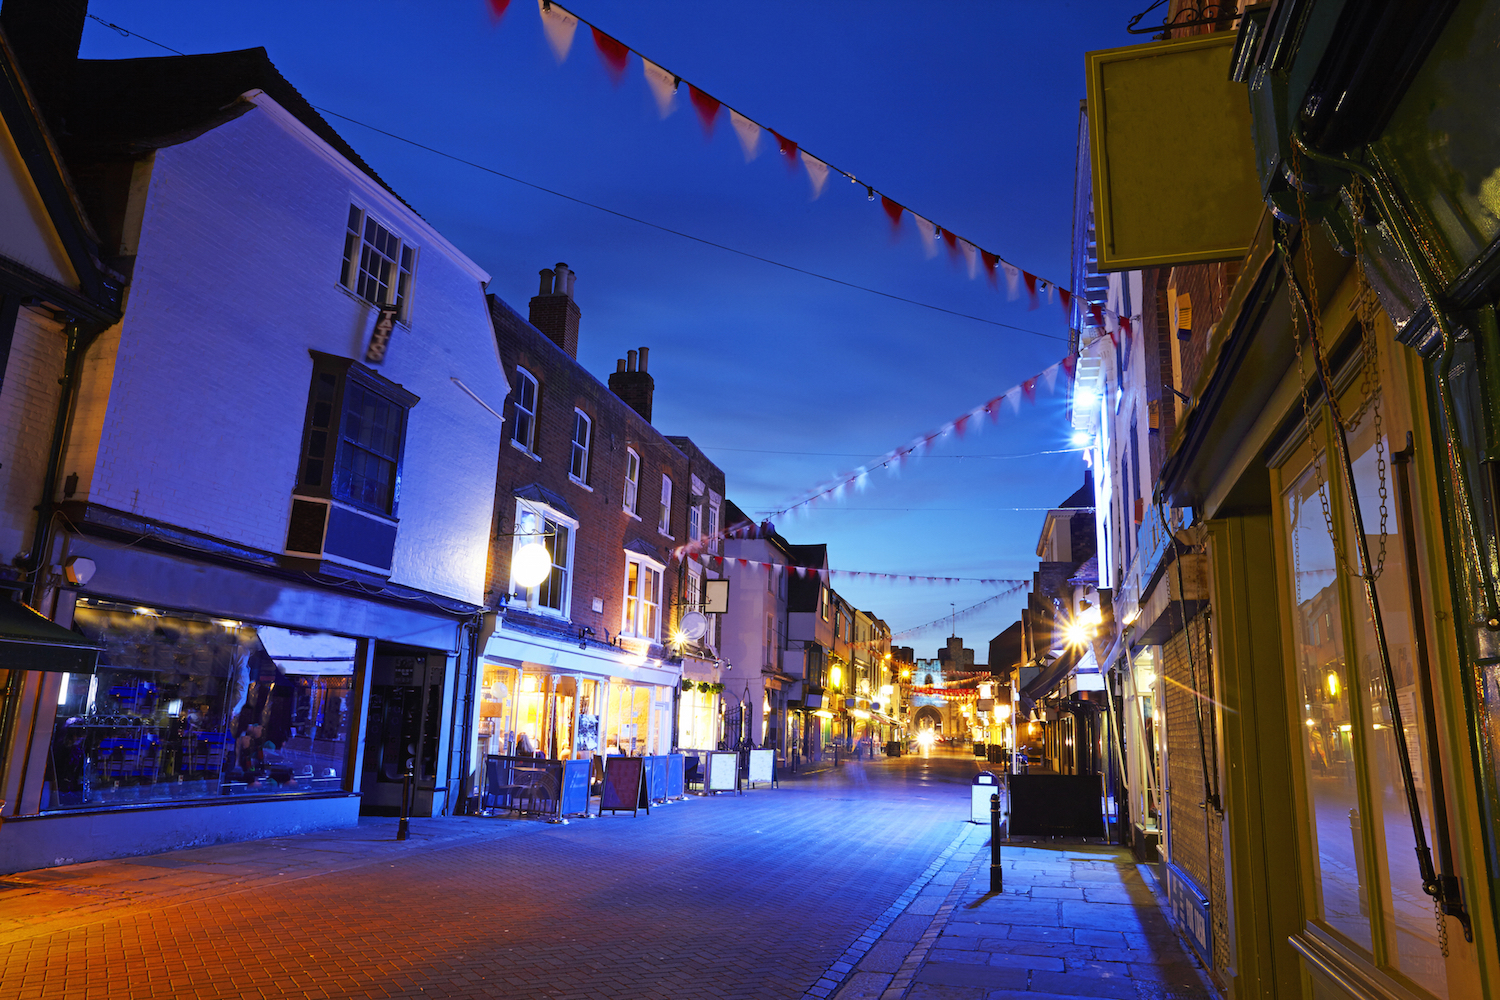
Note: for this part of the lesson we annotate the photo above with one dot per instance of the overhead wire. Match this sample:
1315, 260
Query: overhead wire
127, 33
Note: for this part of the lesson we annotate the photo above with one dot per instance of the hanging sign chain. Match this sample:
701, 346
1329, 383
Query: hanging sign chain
1370, 381
1313, 321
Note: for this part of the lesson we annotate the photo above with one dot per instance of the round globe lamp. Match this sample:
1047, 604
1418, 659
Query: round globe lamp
531, 565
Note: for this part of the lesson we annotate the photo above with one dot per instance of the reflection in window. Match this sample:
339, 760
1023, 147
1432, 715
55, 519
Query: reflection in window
1411, 929
187, 709
1325, 689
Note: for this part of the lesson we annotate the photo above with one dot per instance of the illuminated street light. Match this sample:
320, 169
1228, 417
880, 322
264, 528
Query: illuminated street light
531, 565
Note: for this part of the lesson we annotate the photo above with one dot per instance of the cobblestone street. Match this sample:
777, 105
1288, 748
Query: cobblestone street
859, 881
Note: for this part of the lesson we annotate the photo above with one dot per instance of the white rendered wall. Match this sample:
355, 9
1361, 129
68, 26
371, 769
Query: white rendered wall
28, 407
237, 278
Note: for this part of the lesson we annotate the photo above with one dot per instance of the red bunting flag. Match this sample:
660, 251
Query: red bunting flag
707, 107
1029, 388
1066, 297
1030, 280
615, 54
788, 149
991, 264
892, 209
497, 9
960, 424
1129, 333
1096, 314
1070, 364
951, 238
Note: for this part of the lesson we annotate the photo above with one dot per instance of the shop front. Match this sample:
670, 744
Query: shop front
223, 705
572, 701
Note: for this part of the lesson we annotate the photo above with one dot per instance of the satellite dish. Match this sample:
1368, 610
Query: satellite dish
694, 625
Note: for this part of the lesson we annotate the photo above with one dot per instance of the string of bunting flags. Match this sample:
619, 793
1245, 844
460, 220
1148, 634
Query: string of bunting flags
560, 25
954, 616
823, 573
920, 445
964, 694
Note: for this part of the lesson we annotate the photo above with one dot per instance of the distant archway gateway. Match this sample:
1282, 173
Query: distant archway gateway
929, 717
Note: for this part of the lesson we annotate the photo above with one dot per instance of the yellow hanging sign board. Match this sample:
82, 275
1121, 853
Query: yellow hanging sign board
1171, 153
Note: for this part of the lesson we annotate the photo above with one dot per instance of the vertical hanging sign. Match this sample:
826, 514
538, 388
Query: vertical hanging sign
380, 337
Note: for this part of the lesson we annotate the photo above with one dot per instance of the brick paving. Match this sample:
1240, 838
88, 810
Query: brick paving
800, 891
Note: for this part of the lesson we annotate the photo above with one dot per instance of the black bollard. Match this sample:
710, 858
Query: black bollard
405, 805
996, 874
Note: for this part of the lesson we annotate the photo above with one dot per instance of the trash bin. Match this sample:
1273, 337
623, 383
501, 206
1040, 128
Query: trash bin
979, 750
986, 783
997, 754
893, 748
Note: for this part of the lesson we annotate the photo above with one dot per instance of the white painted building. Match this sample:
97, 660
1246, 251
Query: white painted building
276, 496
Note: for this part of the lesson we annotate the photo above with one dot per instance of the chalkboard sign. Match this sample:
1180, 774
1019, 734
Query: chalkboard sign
624, 786
723, 772
575, 789
656, 778
762, 767
676, 783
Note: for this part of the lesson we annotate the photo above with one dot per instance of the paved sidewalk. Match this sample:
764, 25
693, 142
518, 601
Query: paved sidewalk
1071, 921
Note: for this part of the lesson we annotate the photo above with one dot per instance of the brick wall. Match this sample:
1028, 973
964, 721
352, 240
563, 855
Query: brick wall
193, 414
605, 527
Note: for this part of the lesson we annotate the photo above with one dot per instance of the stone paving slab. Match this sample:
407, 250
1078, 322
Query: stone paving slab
1070, 922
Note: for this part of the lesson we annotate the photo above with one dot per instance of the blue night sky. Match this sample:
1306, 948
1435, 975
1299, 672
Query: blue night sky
965, 111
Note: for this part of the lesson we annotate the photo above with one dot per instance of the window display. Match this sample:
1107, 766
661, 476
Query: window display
186, 708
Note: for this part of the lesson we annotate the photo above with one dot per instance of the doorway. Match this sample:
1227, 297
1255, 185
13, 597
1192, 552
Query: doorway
402, 729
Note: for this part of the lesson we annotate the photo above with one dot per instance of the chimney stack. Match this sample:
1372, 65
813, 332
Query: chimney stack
553, 310
632, 384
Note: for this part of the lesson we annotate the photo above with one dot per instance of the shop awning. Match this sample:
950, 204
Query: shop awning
1053, 674
30, 641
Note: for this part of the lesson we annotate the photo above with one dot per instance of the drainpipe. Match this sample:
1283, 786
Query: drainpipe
80, 338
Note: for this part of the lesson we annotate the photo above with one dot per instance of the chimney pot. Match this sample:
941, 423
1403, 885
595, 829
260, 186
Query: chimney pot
630, 367
620, 365
553, 310
644, 352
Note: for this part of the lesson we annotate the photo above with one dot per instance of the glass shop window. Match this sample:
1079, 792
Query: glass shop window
184, 709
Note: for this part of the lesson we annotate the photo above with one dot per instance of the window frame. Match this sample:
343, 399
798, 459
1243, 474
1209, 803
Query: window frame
632, 496
634, 604
664, 520
338, 373
404, 264
713, 523
523, 377
578, 451
519, 597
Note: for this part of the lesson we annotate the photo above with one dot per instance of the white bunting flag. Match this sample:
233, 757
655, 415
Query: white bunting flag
1012, 280
559, 26
1049, 377
1014, 399
663, 87
928, 232
971, 257
749, 134
817, 172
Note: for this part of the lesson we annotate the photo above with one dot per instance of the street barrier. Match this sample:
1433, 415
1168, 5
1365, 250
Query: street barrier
676, 776
574, 800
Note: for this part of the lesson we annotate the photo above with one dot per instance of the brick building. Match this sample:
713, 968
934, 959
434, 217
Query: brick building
586, 661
